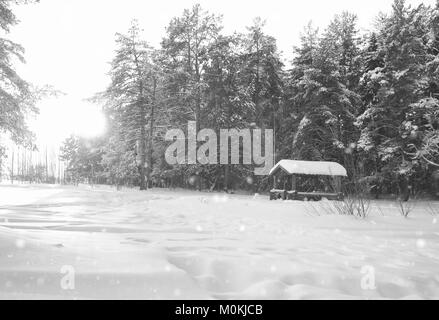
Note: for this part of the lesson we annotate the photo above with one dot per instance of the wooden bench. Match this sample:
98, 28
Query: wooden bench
276, 194
314, 196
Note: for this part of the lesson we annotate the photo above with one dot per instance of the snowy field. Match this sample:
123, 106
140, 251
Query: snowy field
189, 245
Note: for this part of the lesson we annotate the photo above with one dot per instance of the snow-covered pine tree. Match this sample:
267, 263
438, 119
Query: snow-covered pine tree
324, 93
16, 96
391, 90
131, 96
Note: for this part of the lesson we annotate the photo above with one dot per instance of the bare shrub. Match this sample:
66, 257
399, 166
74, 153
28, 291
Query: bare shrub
356, 201
405, 207
433, 208
314, 208
380, 210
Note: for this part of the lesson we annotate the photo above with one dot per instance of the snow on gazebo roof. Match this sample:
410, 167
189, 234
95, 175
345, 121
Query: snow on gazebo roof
315, 168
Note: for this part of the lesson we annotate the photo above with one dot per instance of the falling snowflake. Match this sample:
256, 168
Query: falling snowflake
40, 281
421, 243
20, 243
192, 180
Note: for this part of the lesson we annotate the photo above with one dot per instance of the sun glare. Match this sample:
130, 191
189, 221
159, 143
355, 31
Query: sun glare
59, 118
88, 122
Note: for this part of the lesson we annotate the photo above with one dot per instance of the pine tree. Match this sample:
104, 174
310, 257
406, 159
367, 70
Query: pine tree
395, 86
262, 73
185, 56
228, 99
324, 95
185, 49
130, 99
84, 159
16, 96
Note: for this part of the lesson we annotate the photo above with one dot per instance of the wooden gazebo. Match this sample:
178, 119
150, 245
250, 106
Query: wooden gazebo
307, 180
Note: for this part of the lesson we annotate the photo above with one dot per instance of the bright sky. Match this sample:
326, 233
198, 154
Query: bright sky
70, 42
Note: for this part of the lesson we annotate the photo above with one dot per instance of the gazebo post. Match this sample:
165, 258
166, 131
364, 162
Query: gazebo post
337, 184
293, 182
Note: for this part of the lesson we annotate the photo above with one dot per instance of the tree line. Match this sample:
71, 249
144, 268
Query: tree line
366, 100
18, 101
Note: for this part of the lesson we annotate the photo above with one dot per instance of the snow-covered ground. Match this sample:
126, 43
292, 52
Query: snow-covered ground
188, 245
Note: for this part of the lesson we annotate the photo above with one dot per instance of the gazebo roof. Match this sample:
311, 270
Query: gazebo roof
315, 168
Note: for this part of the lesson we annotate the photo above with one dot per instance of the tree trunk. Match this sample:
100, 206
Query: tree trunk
141, 148
47, 169
141, 152
151, 132
12, 168
141, 166
404, 190
226, 177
